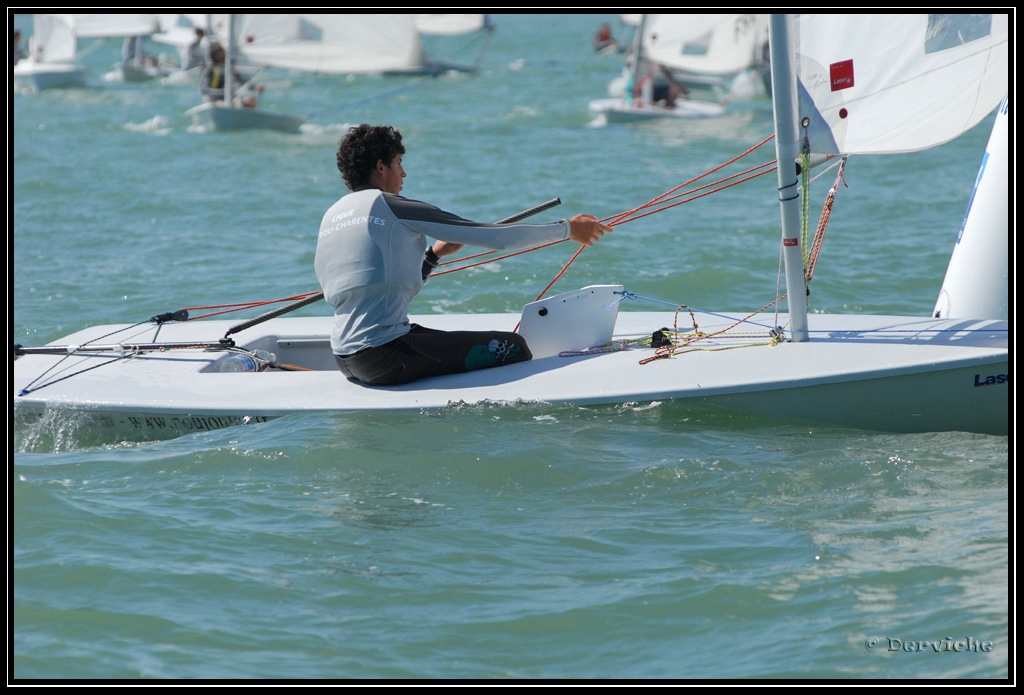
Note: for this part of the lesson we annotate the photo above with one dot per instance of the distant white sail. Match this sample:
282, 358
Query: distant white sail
91, 26
712, 44
331, 43
449, 24
871, 83
53, 38
179, 29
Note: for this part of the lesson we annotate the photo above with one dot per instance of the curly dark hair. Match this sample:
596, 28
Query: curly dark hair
360, 149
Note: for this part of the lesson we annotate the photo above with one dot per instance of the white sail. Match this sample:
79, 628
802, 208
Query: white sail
179, 29
887, 84
977, 280
449, 24
898, 83
52, 56
107, 25
331, 43
714, 44
53, 38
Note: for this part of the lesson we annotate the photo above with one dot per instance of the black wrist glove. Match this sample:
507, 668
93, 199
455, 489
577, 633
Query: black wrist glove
430, 261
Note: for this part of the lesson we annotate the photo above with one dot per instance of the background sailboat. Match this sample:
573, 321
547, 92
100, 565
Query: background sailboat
718, 57
438, 34
179, 32
333, 44
632, 94
715, 54
228, 114
139, 65
54, 54
343, 44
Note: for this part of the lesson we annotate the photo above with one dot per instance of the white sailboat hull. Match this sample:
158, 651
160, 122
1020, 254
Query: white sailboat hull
30, 76
884, 373
210, 116
143, 73
620, 111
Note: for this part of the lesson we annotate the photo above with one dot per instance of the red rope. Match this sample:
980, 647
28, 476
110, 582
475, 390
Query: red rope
667, 194
826, 212
667, 351
631, 215
770, 168
623, 217
228, 308
611, 221
492, 260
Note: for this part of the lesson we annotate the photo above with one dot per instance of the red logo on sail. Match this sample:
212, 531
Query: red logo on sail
790, 242
841, 75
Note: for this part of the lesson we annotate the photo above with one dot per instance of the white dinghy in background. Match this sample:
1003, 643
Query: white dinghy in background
330, 44
621, 107
617, 110
716, 57
945, 372
54, 59
226, 114
52, 56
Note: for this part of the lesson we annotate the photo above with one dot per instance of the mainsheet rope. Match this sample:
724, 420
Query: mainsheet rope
659, 203
228, 308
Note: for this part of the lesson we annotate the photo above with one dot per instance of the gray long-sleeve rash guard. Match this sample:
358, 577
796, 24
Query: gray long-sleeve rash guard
370, 252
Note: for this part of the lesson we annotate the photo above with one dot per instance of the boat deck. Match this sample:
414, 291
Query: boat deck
872, 372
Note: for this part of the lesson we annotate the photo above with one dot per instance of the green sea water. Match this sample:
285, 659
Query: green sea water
632, 541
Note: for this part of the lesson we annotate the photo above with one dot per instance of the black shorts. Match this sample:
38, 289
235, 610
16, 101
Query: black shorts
424, 352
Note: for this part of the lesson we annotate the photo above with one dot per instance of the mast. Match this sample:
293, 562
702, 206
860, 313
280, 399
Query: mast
229, 87
787, 149
637, 46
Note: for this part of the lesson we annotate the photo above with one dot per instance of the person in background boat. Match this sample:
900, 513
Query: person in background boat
372, 258
17, 51
132, 49
603, 38
657, 85
197, 52
211, 84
